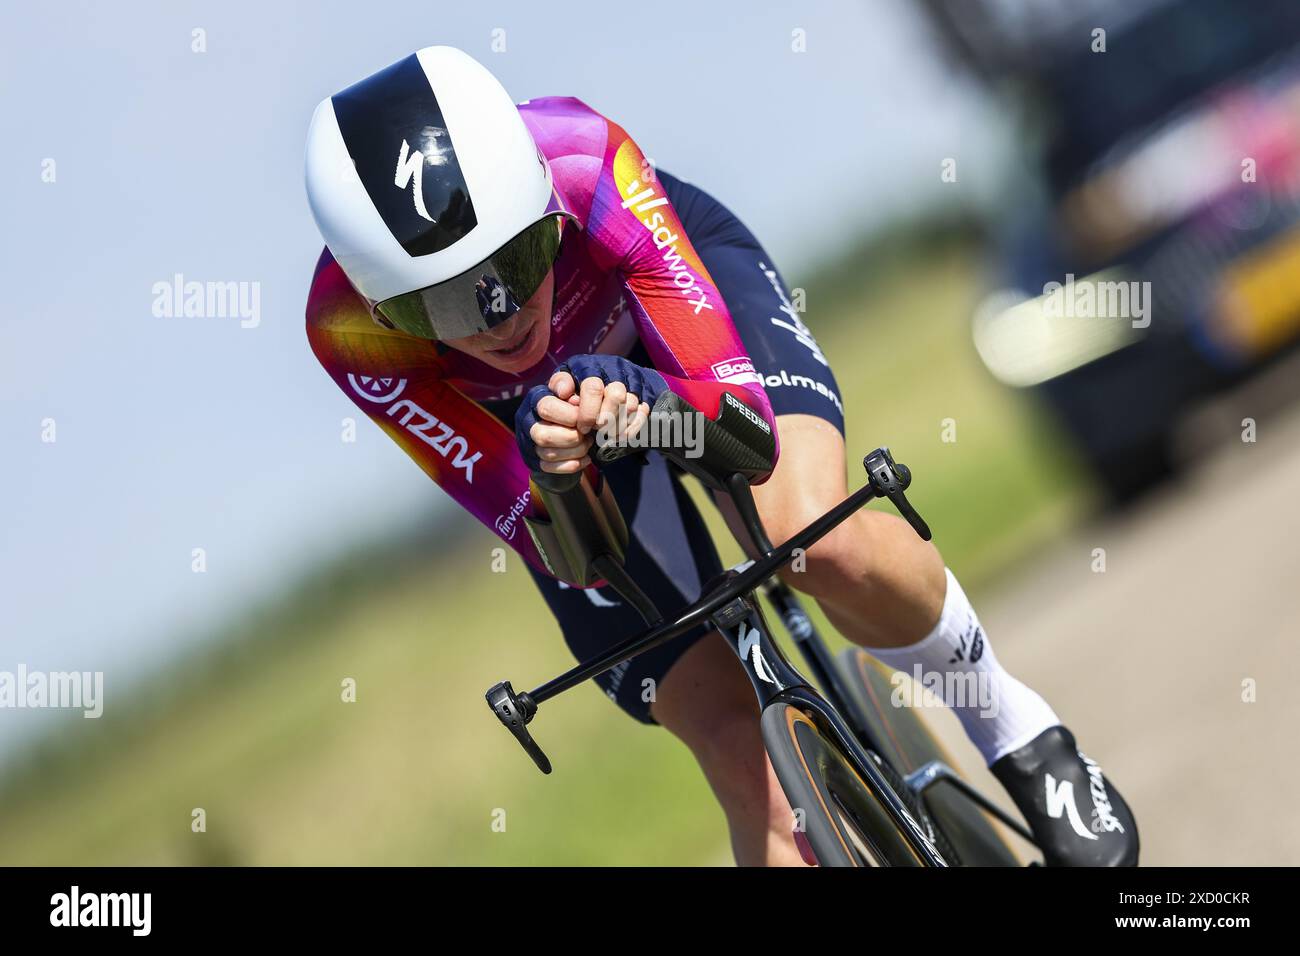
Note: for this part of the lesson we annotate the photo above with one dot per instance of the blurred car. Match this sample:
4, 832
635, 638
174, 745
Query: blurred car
1155, 258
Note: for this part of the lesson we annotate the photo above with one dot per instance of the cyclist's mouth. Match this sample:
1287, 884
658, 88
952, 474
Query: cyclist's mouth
510, 351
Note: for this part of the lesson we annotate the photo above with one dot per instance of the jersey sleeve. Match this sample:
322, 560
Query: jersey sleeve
679, 313
396, 380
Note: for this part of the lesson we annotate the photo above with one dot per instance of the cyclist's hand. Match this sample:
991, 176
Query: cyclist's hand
594, 407
560, 445
590, 395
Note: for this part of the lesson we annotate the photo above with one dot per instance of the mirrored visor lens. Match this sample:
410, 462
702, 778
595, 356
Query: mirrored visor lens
484, 296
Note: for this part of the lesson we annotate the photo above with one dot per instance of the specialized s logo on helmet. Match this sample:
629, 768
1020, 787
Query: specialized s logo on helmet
410, 165
398, 106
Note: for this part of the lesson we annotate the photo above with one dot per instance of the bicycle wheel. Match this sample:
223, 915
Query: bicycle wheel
903, 738
843, 820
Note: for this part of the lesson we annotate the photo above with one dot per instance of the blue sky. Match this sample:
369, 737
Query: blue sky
177, 433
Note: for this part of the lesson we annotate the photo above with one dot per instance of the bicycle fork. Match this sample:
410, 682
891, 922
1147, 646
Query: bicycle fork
816, 655
774, 680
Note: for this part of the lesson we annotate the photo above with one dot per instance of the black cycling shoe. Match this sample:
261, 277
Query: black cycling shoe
1077, 817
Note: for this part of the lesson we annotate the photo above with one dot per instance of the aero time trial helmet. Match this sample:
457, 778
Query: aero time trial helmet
432, 196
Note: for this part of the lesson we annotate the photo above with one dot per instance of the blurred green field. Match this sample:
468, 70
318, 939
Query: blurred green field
417, 771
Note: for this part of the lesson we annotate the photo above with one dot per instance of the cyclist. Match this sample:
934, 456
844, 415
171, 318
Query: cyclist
502, 282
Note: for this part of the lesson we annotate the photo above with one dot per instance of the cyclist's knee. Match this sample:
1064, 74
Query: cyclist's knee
873, 557
845, 557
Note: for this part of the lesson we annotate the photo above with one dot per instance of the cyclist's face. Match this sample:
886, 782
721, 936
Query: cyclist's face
520, 342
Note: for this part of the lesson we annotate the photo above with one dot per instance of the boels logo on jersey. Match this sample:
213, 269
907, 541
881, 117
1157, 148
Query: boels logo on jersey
736, 371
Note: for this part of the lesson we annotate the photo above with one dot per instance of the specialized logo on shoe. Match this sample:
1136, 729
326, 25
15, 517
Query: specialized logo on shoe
748, 648
1060, 799
1103, 819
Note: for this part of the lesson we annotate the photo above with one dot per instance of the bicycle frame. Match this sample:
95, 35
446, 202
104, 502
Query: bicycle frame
730, 604
817, 656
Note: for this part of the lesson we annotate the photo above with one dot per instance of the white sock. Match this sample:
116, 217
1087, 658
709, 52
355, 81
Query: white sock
955, 660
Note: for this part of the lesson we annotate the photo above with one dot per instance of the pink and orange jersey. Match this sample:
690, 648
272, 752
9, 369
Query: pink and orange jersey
628, 274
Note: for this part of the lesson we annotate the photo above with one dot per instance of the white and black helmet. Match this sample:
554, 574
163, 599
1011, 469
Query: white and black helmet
432, 196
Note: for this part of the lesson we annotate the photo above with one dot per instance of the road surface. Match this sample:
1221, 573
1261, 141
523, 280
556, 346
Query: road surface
1151, 661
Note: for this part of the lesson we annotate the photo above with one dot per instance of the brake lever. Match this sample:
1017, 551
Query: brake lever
515, 711
890, 480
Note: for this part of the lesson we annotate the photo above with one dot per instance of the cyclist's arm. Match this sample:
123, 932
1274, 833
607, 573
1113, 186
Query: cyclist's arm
679, 314
394, 378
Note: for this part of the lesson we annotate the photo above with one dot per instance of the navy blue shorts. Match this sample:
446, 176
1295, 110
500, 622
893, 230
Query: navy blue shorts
670, 553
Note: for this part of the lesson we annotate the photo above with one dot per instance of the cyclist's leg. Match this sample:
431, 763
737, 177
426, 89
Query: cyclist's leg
693, 686
879, 584
846, 571
708, 703
877, 581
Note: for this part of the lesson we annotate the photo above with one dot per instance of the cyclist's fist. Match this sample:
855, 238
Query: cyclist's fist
588, 396
557, 442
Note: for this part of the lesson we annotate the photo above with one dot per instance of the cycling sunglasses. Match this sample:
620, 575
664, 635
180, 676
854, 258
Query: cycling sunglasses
486, 294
